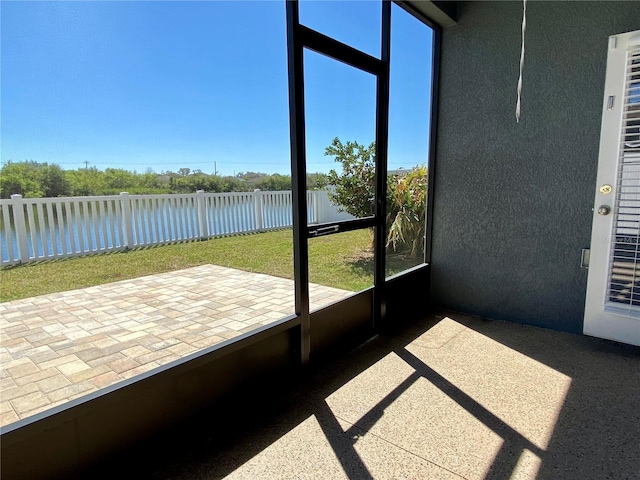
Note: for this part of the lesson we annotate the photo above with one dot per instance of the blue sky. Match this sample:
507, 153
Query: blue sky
165, 85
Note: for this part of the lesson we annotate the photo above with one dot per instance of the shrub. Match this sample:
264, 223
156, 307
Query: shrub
406, 195
406, 211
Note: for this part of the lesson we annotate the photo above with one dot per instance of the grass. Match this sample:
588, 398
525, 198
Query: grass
342, 261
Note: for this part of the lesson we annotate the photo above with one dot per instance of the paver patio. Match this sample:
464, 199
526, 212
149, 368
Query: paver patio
58, 347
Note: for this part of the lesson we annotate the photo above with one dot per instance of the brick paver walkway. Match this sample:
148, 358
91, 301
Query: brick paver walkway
58, 347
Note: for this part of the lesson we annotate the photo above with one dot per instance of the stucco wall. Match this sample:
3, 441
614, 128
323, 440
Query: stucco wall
512, 206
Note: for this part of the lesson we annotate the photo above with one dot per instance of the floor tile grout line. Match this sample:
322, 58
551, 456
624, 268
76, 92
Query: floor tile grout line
400, 447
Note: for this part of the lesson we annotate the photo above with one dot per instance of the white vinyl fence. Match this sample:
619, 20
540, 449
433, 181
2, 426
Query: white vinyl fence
34, 229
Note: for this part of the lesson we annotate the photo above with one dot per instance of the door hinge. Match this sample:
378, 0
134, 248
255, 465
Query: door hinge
585, 257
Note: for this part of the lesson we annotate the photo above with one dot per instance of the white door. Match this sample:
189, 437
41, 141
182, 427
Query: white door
613, 288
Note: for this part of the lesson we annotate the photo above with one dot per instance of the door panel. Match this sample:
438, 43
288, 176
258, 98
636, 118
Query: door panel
337, 92
612, 308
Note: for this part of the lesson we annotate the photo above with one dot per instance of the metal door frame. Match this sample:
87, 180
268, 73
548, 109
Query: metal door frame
300, 37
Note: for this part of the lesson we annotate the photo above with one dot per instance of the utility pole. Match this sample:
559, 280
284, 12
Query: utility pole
215, 168
86, 164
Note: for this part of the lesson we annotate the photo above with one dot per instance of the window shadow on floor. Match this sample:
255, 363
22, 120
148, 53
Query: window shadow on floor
412, 373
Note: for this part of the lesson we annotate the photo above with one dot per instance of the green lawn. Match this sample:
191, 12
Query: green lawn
343, 261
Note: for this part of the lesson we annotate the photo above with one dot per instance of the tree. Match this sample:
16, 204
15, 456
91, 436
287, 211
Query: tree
275, 182
355, 186
406, 195
54, 181
21, 178
119, 180
149, 182
317, 181
33, 179
87, 181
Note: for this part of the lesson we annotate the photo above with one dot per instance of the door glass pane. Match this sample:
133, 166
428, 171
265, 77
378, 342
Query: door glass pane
356, 23
409, 114
339, 266
340, 115
624, 273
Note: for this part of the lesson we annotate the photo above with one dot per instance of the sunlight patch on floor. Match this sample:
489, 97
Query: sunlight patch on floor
389, 400
524, 393
459, 399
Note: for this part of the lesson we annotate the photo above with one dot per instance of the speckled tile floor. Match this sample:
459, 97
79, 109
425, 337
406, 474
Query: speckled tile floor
58, 347
452, 397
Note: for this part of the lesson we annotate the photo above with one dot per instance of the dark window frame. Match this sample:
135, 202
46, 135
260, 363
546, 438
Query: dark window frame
299, 38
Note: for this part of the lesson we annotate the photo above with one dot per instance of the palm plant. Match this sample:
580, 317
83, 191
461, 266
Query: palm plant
406, 211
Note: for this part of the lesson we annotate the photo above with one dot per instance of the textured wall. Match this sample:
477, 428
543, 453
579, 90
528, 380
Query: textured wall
512, 206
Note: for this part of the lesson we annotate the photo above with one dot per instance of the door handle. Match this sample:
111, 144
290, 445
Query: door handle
325, 231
